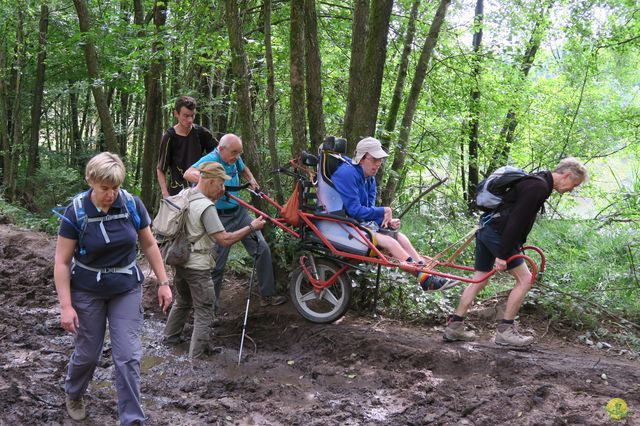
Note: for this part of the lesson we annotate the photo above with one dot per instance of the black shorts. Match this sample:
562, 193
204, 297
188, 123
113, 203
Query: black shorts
487, 247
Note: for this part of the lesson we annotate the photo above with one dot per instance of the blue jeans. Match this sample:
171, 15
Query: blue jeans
124, 314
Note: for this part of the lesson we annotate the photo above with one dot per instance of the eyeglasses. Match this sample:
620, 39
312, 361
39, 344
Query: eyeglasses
374, 160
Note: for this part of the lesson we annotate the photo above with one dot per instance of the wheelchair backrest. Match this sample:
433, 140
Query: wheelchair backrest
329, 159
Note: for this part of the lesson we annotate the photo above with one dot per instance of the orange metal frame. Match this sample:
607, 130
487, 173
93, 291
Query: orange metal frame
378, 257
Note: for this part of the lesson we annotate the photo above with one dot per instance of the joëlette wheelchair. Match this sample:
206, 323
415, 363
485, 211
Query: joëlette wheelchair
332, 243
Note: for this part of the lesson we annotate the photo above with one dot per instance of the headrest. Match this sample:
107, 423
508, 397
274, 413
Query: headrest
340, 146
331, 143
308, 159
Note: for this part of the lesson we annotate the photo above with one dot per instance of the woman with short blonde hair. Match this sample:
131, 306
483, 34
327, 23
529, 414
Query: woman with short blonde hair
99, 283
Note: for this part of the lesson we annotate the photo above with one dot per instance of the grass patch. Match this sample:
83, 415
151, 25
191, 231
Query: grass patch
23, 218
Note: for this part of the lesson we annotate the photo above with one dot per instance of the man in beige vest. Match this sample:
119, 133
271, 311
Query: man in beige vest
193, 285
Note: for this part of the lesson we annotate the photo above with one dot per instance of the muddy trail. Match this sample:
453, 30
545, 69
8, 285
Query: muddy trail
358, 371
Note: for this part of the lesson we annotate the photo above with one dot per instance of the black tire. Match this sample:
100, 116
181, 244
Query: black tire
328, 305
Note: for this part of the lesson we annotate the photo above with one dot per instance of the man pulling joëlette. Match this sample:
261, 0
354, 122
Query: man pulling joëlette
234, 217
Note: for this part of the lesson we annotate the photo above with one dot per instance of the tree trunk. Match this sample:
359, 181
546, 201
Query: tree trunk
123, 134
296, 78
474, 105
366, 108
4, 118
392, 115
507, 134
75, 141
15, 150
356, 64
221, 94
153, 101
36, 107
271, 102
243, 97
313, 64
138, 142
412, 101
84, 121
93, 68
204, 83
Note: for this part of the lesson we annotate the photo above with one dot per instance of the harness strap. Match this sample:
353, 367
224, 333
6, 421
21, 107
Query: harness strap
107, 218
115, 270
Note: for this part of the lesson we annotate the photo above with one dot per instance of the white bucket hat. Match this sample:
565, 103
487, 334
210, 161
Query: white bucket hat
371, 146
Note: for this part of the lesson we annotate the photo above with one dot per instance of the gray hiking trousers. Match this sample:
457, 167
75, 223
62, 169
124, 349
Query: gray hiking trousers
264, 268
123, 312
193, 289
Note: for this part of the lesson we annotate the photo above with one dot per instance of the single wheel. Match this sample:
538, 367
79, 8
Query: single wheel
329, 304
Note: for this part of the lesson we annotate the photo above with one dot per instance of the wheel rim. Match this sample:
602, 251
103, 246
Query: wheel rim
328, 302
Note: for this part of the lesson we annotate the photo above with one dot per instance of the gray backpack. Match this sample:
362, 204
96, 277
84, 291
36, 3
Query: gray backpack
169, 228
491, 191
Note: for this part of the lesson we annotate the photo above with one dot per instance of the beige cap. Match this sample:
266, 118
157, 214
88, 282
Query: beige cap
371, 146
212, 170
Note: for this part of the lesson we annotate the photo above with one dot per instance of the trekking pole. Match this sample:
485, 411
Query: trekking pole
422, 194
246, 311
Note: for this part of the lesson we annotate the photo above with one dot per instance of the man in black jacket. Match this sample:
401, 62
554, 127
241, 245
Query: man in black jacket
502, 235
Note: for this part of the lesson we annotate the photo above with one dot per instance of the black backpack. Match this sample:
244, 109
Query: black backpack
491, 191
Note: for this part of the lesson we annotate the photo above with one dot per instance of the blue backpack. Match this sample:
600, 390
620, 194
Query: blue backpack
80, 224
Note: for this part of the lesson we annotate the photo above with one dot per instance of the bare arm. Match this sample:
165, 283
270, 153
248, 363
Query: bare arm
162, 181
192, 175
62, 278
246, 173
226, 239
152, 253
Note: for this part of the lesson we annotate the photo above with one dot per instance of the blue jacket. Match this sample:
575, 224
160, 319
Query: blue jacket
357, 192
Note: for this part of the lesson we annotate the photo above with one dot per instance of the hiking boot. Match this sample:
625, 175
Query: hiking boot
272, 300
174, 341
75, 408
454, 331
434, 282
511, 337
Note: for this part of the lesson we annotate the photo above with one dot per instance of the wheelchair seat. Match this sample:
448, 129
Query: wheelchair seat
342, 235
329, 159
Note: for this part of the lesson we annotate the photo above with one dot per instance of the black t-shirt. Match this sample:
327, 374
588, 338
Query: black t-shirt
178, 153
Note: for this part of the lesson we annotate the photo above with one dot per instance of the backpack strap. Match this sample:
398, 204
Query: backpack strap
81, 219
132, 208
193, 198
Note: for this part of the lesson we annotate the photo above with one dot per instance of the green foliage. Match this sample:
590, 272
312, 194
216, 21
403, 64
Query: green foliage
10, 213
53, 186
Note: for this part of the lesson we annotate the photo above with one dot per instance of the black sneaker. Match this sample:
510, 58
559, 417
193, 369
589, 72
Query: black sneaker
434, 282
